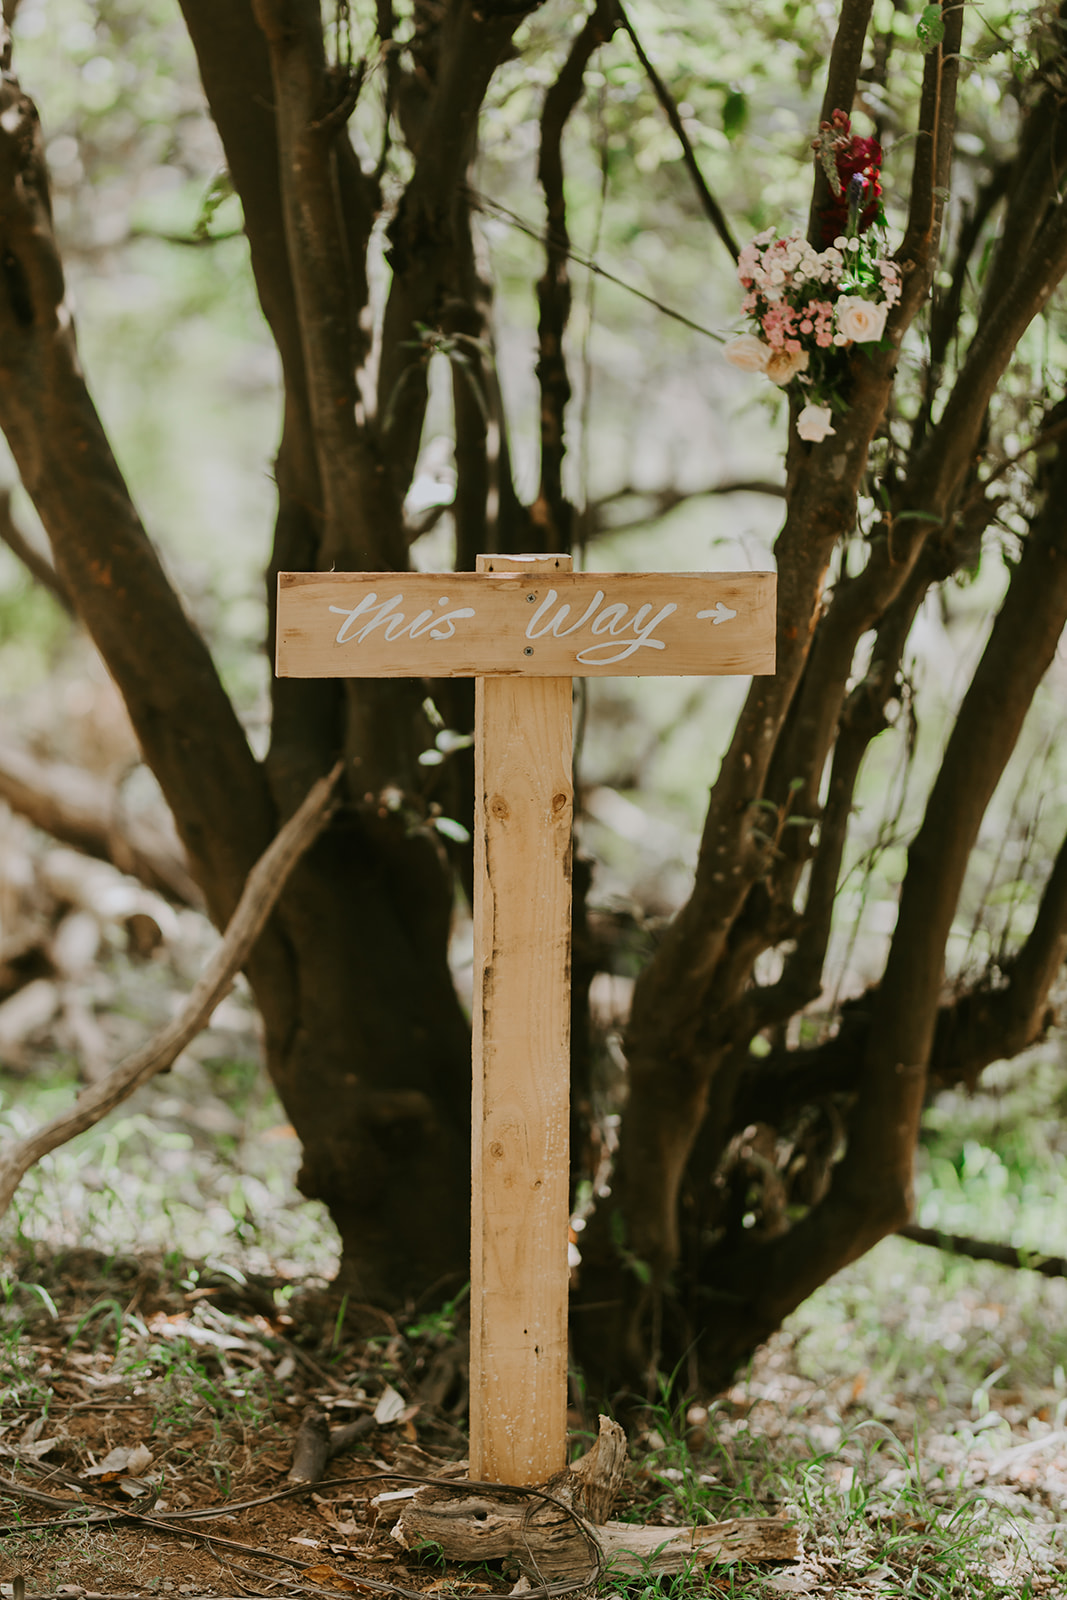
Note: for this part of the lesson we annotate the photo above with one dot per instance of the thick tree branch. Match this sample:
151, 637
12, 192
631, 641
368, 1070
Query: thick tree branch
235, 70
265, 883
326, 240
424, 233
188, 729
552, 512
871, 1190
943, 461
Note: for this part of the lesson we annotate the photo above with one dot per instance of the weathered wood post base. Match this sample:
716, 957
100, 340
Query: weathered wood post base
549, 1544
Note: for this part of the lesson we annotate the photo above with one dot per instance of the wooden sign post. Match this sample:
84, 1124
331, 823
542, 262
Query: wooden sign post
523, 626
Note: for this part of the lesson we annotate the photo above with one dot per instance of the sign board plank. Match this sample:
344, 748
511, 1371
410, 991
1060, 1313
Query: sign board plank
565, 624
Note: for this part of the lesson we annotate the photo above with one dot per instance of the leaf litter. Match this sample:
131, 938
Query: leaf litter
141, 1458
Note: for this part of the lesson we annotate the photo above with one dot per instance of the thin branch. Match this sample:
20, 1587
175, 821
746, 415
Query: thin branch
994, 1024
194, 241
932, 166
949, 448
265, 883
712, 209
946, 305
1006, 1255
1036, 176
37, 565
552, 509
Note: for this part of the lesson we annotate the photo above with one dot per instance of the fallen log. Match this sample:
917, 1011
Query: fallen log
84, 811
560, 1531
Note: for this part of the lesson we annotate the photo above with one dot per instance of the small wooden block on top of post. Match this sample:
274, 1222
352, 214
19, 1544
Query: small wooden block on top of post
524, 626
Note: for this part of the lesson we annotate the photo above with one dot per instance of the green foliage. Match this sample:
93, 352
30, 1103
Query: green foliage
930, 28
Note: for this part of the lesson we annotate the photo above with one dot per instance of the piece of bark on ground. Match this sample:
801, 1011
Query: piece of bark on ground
317, 1443
481, 1523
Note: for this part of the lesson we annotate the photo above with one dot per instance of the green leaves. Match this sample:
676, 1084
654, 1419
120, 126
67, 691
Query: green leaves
734, 113
219, 190
930, 29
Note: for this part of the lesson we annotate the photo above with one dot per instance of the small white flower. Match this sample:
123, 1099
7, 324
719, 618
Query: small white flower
814, 424
860, 320
748, 353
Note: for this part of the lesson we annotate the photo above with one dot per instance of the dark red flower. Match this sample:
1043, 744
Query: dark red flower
851, 157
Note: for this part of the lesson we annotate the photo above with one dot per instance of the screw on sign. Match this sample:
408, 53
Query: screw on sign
523, 627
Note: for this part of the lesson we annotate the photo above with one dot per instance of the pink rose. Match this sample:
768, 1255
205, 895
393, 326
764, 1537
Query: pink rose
860, 320
748, 353
785, 364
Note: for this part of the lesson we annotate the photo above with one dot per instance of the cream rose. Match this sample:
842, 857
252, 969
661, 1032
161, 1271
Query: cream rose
814, 424
785, 364
748, 353
860, 320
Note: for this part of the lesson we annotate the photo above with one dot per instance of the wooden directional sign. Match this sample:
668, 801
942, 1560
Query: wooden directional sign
523, 626
558, 625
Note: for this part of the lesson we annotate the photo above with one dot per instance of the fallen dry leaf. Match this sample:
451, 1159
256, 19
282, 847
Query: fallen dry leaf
329, 1576
390, 1406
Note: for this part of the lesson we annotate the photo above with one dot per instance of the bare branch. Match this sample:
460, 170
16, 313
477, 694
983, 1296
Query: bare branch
946, 304
36, 564
949, 448
993, 1024
712, 210
423, 235
1005, 1255
932, 166
265, 883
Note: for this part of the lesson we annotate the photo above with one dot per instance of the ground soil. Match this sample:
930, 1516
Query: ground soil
132, 1389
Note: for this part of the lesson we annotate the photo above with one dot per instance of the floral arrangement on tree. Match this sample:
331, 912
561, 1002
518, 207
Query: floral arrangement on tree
808, 306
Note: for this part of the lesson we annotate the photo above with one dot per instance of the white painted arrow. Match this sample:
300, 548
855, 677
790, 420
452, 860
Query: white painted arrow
720, 614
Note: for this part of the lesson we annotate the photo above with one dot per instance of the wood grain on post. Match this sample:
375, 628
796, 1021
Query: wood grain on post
521, 1016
